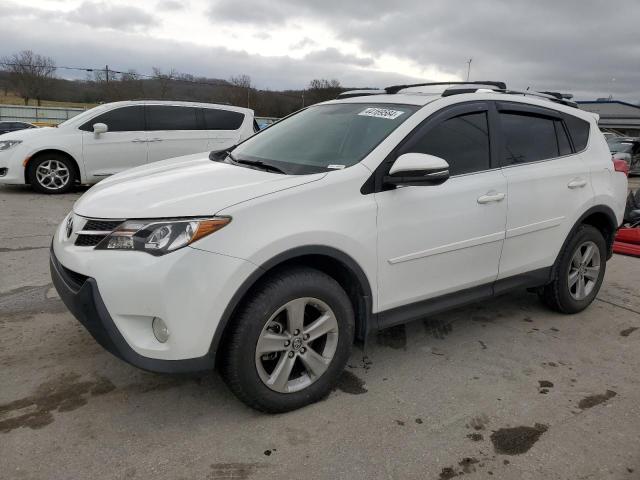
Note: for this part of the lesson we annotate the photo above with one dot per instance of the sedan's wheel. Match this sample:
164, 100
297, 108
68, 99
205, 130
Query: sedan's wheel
52, 173
578, 272
289, 342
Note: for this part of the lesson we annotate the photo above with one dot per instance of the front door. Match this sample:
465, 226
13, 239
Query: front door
435, 240
123, 146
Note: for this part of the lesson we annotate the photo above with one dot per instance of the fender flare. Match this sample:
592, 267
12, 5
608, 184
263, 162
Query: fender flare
613, 223
321, 250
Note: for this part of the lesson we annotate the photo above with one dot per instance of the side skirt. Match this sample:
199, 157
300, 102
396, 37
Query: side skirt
431, 306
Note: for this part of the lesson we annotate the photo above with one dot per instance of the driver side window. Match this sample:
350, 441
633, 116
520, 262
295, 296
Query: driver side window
462, 141
124, 119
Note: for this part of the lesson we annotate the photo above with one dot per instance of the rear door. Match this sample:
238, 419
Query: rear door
223, 127
548, 184
174, 131
123, 146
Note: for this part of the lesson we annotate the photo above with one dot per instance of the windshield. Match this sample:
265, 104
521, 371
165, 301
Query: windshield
324, 137
84, 115
620, 147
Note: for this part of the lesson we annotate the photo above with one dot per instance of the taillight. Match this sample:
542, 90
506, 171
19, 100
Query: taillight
620, 166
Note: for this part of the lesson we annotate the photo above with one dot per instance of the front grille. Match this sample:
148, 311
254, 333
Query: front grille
88, 240
101, 225
92, 225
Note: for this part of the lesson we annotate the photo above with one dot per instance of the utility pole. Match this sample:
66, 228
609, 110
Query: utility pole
469, 68
302, 98
106, 71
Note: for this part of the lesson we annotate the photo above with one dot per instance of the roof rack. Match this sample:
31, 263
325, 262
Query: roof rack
556, 97
396, 88
361, 93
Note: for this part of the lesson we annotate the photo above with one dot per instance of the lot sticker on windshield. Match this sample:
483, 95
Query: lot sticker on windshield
381, 113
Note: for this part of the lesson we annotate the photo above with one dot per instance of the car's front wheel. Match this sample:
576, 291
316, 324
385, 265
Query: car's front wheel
290, 341
51, 173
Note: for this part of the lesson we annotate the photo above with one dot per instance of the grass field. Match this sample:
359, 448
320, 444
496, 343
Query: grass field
12, 99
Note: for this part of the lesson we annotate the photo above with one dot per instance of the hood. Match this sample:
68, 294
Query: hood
181, 187
27, 133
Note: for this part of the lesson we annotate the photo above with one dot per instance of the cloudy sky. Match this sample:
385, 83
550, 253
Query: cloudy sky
588, 47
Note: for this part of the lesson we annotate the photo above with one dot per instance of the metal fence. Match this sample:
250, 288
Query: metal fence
44, 115
56, 115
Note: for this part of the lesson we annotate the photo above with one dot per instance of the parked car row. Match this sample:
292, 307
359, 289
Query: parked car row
117, 136
6, 126
628, 150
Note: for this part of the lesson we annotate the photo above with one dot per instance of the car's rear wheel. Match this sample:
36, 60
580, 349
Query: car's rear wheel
51, 173
578, 273
290, 341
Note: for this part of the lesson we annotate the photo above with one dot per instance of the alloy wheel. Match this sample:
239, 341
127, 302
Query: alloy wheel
296, 345
53, 174
584, 270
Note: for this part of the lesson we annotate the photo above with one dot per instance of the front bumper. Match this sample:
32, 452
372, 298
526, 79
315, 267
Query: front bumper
81, 296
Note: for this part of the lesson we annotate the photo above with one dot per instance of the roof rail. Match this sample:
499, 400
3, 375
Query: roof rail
556, 97
361, 93
562, 98
396, 88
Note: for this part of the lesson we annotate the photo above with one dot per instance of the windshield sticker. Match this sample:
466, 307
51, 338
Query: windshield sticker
381, 113
335, 167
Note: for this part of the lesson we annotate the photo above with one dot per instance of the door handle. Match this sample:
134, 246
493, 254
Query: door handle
139, 140
577, 183
156, 139
491, 197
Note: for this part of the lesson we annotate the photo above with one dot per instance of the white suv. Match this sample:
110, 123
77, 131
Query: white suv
116, 136
353, 215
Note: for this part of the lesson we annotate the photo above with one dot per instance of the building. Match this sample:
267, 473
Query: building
616, 116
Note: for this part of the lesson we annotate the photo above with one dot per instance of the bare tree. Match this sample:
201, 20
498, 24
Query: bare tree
321, 89
30, 74
242, 90
164, 80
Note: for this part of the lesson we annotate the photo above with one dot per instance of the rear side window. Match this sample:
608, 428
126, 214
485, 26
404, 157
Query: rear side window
528, 138
462, 141
167, 117
563, 141
579, 131
217, 119
125, 119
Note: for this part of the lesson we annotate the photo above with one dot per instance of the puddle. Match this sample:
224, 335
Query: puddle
349, 383
64, 394
516, 440
593, 400
24, 302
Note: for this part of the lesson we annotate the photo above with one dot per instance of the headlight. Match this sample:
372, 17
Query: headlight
159, 237
7, 144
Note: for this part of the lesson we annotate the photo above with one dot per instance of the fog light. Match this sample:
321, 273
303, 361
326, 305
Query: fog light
160, 330
3, 172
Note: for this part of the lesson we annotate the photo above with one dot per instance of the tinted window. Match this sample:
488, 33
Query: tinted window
528, 138
215, 119
165, 117
125, 119
563, 141
579, 131
462, 141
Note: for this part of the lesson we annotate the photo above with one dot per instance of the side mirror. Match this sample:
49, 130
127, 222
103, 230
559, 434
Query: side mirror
418, 169
99, 128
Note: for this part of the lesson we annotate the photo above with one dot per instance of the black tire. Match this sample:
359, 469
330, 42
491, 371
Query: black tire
239, 362
57, 159
556, 295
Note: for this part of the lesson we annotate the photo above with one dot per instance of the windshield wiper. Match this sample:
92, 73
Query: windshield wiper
259, 164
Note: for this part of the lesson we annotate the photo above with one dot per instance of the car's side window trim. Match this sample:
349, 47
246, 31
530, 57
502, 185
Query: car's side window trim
525, 109
375, 184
